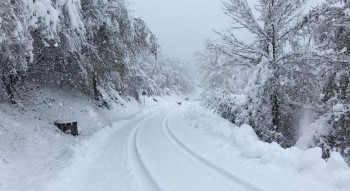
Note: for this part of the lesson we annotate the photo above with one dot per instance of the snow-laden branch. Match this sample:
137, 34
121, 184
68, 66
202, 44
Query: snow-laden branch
241, 13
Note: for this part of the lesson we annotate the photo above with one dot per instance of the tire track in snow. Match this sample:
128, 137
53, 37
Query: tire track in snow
178, 144
144, 177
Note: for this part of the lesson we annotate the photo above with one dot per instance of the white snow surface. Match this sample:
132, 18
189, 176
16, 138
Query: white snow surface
263, 166
163, 146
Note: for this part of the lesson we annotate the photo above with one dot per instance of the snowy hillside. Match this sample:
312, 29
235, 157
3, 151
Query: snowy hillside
32, 148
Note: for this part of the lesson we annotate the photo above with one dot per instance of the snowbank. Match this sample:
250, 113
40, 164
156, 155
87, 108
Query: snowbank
304, 168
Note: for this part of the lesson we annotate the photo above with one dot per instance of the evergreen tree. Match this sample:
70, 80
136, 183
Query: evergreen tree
15, 45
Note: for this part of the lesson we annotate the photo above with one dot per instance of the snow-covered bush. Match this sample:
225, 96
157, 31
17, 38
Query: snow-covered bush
336, 100
229, 106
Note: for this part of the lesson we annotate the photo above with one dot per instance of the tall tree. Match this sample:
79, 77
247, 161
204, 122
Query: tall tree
15, 45
108, 28
273, 24
58, 34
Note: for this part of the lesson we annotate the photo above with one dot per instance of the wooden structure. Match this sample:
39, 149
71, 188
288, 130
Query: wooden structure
72, 127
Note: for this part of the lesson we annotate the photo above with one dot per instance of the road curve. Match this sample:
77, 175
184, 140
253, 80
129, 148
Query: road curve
195, 156
159, 164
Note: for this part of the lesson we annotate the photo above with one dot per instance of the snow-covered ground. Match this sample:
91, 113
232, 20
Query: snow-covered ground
163, 146
238, 155
32, 149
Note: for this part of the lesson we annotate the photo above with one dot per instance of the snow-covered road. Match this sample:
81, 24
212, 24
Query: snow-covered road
141, 154
163, 163
178, 148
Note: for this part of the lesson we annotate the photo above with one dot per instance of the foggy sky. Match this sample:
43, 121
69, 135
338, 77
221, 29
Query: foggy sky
182, 26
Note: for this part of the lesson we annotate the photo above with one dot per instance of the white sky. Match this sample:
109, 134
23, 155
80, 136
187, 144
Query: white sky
182, 26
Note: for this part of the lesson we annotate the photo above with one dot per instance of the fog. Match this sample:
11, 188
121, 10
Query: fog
182, 26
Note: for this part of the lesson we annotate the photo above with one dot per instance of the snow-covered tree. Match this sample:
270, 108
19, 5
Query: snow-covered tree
94, 46
328, 25
58, 33
109, 33
15, 45
270, 58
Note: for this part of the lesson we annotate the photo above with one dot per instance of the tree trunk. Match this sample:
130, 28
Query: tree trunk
9, 82
276, 116
275, 110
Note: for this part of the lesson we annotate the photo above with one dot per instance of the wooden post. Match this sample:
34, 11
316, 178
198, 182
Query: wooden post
144, 98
